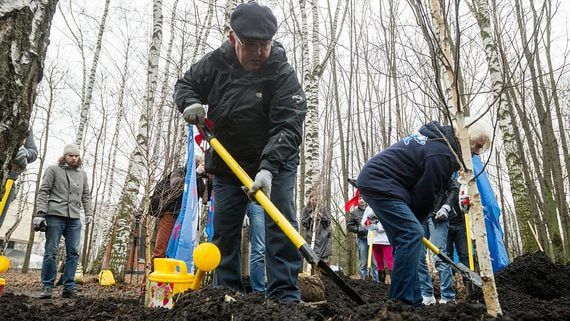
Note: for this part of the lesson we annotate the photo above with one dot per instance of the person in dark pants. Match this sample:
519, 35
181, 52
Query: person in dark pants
401, 184
457, 235
257, 107
64, 193
315, 218
353, 225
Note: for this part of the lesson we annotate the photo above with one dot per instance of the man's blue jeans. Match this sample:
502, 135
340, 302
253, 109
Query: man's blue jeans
70, 228
436, 232
363, 247
256, 216
457, 239
405, 234
283, 259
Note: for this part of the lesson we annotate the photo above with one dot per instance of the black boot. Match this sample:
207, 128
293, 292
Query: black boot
382, 276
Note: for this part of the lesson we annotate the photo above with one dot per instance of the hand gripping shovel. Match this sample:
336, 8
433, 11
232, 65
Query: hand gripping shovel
278, 218
460, 267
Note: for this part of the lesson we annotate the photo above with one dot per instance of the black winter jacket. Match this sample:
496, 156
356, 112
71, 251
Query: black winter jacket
414, 170
323, 240
450, 197
353, 224
258, 116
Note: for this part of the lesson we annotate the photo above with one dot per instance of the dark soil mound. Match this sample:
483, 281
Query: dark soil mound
531, 288
534, 288
20, 307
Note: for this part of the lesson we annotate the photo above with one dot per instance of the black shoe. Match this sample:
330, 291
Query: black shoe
46, 293
70, 294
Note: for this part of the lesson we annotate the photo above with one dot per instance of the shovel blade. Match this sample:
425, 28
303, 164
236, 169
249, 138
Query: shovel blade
328, 272
470, 275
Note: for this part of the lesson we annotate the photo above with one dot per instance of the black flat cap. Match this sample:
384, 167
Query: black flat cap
252, 21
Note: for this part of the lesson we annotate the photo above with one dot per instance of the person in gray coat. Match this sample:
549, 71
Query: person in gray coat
64, 192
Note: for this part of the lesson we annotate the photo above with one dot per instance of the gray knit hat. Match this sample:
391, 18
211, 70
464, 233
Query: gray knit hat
71, 149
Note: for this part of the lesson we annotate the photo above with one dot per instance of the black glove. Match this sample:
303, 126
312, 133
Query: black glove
40, 224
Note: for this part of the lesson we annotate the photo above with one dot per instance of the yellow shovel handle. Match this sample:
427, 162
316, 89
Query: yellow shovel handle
469, 245
261, 198
369, 262
7, 190
430, 246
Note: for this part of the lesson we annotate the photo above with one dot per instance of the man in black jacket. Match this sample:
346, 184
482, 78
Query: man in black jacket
257, 107
457, 235
353, 225
401, 184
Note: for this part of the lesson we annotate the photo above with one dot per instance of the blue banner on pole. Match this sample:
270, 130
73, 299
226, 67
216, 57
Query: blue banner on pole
492, 213
210, 220
184, 239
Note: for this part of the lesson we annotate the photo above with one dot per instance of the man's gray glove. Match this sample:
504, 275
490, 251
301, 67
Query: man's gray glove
373, 227
88, 219
21, 158
194, 114
38, 221
262, 181
442, 214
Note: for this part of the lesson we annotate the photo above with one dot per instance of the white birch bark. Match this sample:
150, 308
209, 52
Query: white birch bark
138, 169
467, 175
87, 97
480, 9
21, 68
313, 67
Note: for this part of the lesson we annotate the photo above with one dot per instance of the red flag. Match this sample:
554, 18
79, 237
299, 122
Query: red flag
352, 202
199, 138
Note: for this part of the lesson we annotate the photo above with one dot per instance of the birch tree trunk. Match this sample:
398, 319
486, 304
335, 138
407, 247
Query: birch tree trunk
519, 190
21, 68
467, 175
139, 160
86, 99
313, 68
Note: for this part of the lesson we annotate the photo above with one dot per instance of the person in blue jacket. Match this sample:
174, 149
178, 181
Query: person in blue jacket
401, 184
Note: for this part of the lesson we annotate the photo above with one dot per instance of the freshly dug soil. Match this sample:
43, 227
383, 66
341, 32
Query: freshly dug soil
531, 288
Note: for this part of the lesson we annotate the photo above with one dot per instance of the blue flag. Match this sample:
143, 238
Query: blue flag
492, 213
210, 220
183, 238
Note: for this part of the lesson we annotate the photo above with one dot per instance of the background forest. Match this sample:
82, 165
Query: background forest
372, 72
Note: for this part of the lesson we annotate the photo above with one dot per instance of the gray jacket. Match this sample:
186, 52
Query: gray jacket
31, 154
63, 192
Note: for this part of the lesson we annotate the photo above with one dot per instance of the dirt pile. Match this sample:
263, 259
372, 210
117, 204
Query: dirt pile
531, 288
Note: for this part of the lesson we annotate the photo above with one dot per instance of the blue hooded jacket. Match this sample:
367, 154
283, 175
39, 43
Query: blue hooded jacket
414, 170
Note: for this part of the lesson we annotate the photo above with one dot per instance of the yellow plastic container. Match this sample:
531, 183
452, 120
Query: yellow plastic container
4, 264
169, 278
106, 278
2, 285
